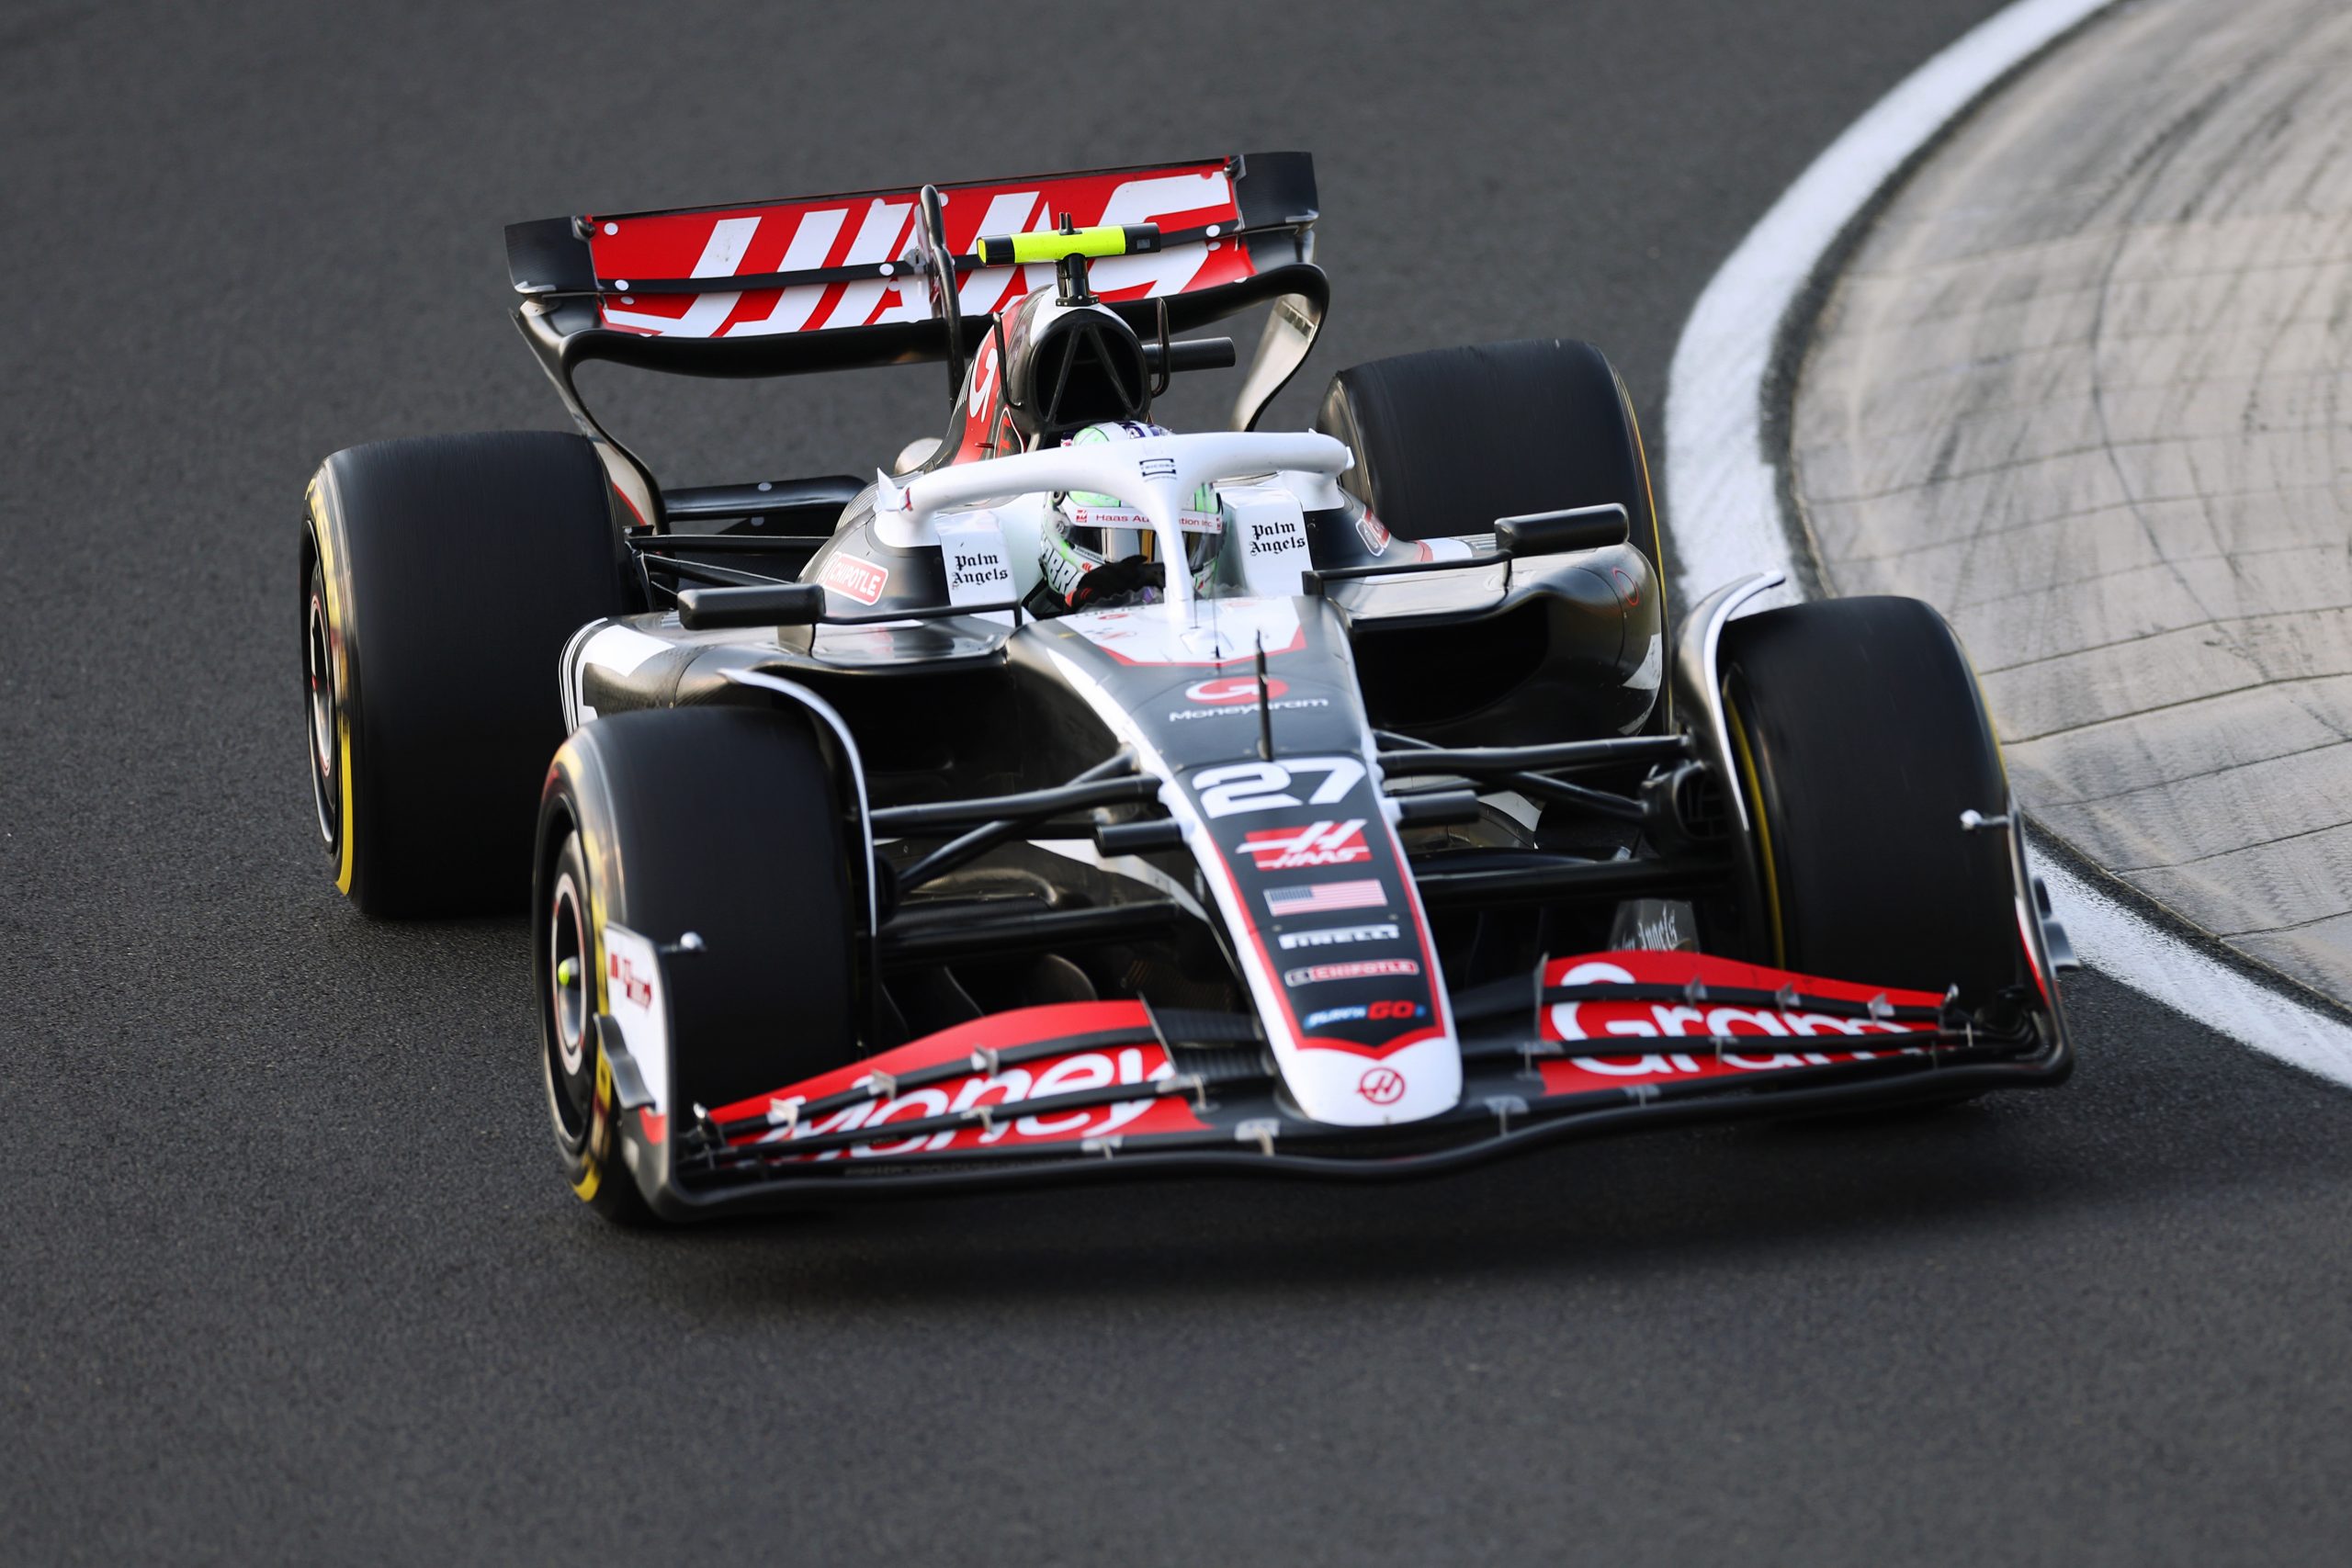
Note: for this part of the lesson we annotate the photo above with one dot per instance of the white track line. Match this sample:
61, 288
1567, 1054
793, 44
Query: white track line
1722, 487
2184, 977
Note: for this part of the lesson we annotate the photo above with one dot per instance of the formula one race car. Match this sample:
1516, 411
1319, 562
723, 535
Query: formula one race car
1075, 799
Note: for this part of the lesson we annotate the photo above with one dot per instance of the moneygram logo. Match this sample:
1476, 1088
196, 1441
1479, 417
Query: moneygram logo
1318, 843
1233, 689
1005, 1092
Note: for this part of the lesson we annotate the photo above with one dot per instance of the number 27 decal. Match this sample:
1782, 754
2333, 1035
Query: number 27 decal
1261, 787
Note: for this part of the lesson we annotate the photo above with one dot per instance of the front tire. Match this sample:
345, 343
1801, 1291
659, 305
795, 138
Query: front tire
1859, 739
714, 839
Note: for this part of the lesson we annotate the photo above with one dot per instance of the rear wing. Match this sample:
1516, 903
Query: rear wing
839, 282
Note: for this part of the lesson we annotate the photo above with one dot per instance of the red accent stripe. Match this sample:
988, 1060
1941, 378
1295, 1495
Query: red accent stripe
633, 511
1296, 642
2025, 938
1021, 1026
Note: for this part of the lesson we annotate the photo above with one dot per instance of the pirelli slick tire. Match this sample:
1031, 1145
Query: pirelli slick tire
693, 890
441, 578
1447, 440
1860, 739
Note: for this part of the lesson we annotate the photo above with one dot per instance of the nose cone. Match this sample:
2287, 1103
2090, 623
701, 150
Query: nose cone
1328, 928
1409, 1084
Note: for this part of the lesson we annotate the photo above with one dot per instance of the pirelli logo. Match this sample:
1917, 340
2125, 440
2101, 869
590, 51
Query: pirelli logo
1340, 936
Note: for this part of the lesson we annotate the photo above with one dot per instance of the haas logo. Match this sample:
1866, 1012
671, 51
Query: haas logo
884, 233
1233, 689
1318, 843
1382, 1086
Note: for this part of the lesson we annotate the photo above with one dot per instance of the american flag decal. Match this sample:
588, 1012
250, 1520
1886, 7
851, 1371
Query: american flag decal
1363, 893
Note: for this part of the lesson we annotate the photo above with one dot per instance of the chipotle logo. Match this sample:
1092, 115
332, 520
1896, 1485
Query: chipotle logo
863, 581
1359, 969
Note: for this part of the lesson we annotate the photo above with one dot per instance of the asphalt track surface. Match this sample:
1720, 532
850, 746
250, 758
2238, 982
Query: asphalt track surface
286, 1272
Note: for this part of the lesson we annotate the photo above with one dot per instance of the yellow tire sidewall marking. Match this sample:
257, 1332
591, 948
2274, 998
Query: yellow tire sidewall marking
323, 537
1763, 829
600, 1120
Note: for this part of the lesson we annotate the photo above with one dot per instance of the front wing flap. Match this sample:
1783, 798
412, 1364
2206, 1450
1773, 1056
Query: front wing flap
1596, 1042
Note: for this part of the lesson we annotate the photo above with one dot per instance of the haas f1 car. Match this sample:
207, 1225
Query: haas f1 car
1074, 798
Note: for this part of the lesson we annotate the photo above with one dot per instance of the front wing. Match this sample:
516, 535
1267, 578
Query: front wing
1089, 1091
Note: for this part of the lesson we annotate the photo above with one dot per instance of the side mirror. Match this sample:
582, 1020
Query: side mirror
1190, 353
1558, 533
785, 604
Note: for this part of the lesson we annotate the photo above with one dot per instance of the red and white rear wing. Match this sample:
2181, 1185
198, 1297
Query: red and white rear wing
834, 263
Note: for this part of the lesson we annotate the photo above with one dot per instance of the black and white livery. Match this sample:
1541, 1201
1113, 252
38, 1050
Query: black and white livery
1068, 798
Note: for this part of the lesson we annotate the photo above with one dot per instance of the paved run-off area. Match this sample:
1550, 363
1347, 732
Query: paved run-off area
2087, 384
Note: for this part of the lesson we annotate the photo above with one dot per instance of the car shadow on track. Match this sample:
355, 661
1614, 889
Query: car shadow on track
2197, 1114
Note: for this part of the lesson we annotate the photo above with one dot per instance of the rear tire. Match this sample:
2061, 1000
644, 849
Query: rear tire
1447, 440
441, 580
1859, 738
725, 822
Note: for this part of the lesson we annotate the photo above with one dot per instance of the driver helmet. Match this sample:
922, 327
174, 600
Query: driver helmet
1085, 516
